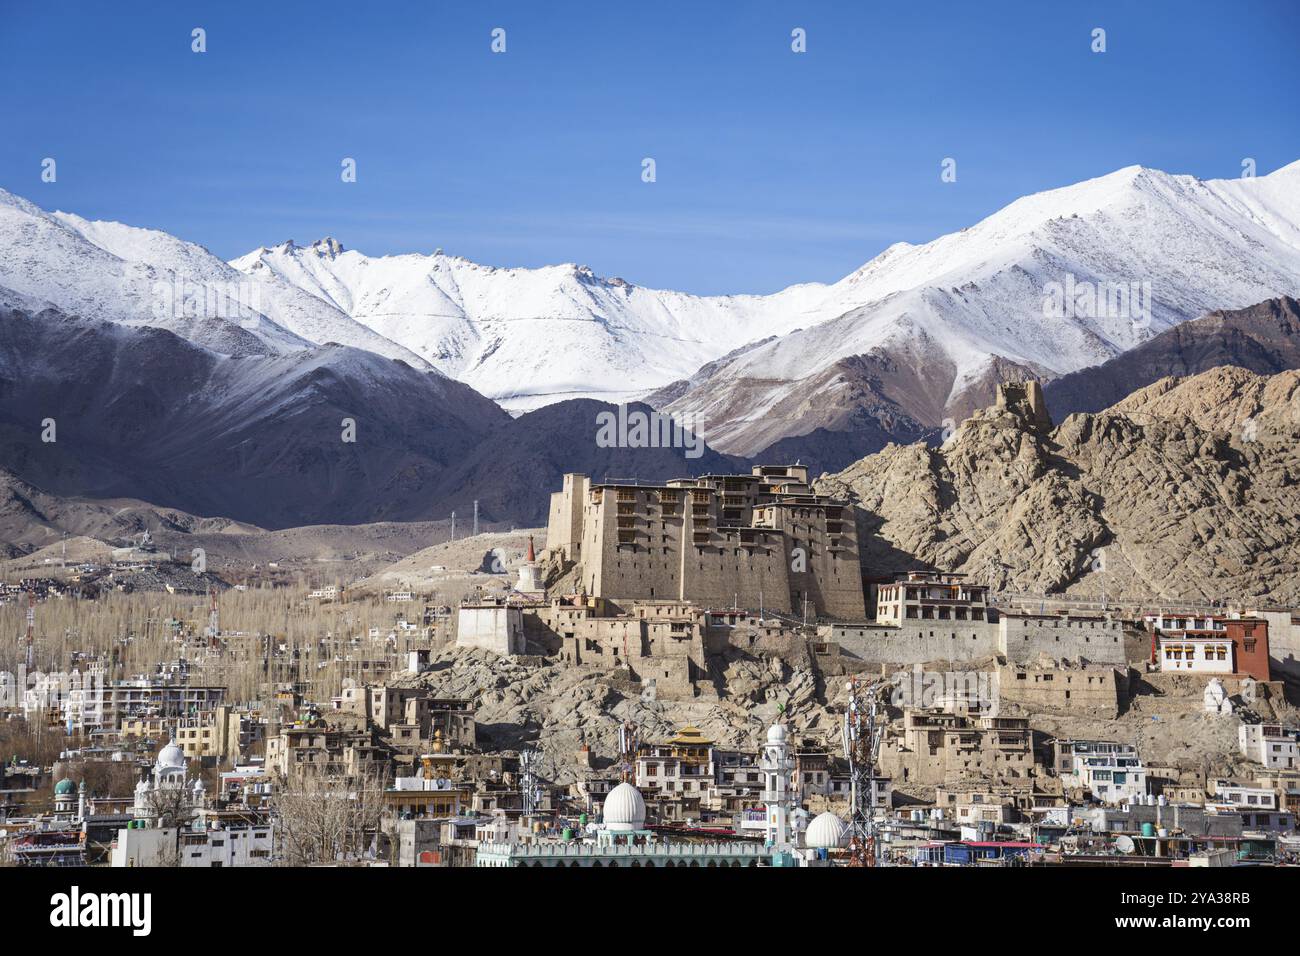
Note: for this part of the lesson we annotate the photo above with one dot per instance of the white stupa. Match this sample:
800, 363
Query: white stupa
527, 583
1216, 699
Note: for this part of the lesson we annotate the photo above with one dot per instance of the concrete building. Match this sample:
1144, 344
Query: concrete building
494, 627
762, 540
1268, 744
1111, 772
223, 733
96, 704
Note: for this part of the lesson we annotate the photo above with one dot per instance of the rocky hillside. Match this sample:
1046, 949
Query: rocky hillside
559, 708
1263, 338
1188, 489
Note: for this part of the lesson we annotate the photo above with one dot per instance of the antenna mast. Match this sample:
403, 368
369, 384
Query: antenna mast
530, 787
862, 734
214, 616
627, 747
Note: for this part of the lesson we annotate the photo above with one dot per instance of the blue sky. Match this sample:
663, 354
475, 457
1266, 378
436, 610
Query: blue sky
772, 167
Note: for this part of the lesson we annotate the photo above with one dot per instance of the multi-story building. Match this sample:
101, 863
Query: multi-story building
659, 643
1243, 795
763, 540
1210, 644
1112, 772
314, 748
424, 794
931, 596
1268, 744
413, 714
936, 747
680, 765
211, 842
97, 704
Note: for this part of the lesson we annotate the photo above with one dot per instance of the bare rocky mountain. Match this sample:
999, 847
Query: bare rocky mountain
1263, 338
513, 470
39, 531
1187, 489
146, 414
32, 518
142, 413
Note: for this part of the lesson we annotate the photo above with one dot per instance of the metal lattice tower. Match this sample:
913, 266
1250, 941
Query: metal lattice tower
862, 735
530, 786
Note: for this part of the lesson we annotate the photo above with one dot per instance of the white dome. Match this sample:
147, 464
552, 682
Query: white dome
776, 734
171, 757
826, 832
624, 809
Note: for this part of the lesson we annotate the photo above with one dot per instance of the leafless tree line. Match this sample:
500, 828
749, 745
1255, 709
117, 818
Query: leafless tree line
327, 820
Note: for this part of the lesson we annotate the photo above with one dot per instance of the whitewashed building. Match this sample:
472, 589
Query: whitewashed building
493, 627
1268, 744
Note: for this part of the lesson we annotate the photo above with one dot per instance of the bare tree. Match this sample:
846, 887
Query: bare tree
322, 819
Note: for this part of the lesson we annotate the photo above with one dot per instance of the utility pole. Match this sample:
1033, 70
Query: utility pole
476, 517
453, 526
31, 625
628, 740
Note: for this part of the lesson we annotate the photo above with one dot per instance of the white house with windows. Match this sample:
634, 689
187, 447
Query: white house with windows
1111, 772
1244, 796
1270, 745
1197, 652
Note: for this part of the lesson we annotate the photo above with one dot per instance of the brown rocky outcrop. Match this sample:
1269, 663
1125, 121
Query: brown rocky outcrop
1187, 489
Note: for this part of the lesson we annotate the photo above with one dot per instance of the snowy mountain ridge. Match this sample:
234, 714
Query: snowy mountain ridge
919, 330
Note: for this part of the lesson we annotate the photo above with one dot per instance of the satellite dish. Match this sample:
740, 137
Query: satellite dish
1124, 843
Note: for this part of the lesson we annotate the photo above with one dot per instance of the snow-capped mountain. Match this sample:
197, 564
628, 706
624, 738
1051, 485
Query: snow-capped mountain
922, 333
931, 327
918, 335
131, 276
530, 337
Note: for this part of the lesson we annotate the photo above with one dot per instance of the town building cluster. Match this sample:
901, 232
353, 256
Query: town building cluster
919, 742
